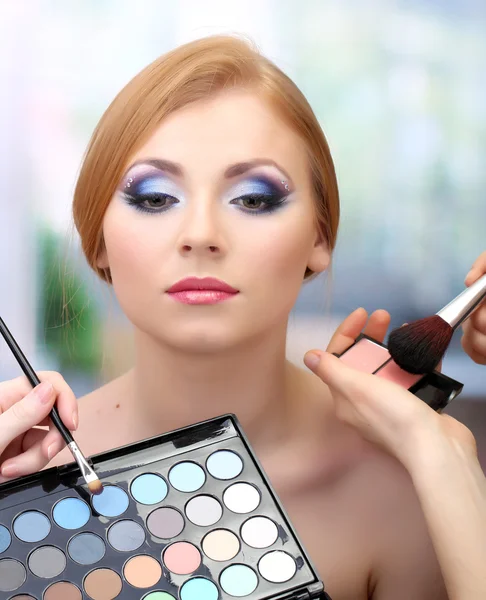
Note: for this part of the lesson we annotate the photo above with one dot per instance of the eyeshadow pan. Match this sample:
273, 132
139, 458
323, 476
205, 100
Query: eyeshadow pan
277, 566
224, 464
32, 526
142, 571
393, 372
182, 558
259, 532
112, 502
187, 477
62, 590
165, 522
199, 588
221, 545
71, 513
365, 356
5, 538
86, 548
241, 498
22, 597
102, 584
158, 596
12, 575
47, 562
204, 510
238, 580
126, 535
149, 488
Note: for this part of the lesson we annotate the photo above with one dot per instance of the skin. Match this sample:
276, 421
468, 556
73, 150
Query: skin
349, 495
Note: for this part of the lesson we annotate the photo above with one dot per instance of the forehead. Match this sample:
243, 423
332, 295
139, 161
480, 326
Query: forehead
229, 127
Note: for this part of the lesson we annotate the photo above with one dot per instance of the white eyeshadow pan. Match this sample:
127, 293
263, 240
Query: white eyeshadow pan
241, 498
259, 532
277, 566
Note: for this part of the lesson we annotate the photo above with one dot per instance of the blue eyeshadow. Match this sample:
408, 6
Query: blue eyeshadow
71, 513
224, 464
187, 477
32, 526
149, 488
112, 501
199, 589
5, 538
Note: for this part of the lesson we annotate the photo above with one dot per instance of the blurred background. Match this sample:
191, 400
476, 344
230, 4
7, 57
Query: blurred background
399, 88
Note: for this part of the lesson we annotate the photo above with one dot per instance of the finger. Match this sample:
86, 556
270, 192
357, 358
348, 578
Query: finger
474, 344
348, 331
20, 445
53, 443
30, 461
25, 414
478, 319
378, 324
478, 269
11, 392
334, 372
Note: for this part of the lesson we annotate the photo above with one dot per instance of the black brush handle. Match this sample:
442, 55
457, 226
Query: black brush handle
34, 380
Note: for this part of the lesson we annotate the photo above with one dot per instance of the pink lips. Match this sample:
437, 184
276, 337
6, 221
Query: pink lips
205, 290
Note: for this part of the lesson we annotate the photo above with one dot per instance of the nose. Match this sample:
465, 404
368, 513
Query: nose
201, 231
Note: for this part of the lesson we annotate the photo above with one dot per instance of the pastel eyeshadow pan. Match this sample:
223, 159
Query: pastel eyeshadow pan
158, 596
241, 498
221, 545
259, 532
187, 477
199, 588
32, 526
142, 571
182, 558
224, 464
126, 535
204, 510
102, 584
165, 522
238, 580
62, 590
149, 488
112, 502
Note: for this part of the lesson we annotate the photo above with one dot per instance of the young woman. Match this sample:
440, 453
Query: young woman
211, 164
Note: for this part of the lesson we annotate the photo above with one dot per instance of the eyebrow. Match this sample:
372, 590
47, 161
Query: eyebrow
231, 171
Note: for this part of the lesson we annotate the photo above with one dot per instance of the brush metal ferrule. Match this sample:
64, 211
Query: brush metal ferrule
86, 471
459, 309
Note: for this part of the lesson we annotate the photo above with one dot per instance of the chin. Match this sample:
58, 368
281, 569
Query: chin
203, 339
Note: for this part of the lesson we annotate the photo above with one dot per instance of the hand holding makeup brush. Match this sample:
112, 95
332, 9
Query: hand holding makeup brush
438, 452
474, 337
25, 448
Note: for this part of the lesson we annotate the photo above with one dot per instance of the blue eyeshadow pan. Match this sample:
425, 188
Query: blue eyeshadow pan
149, 488
187, 477
112, 502
71, 513
5, 538
32, 526
224, 464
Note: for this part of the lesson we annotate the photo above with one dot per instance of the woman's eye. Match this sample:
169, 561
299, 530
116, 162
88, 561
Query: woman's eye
152, 202
258, 203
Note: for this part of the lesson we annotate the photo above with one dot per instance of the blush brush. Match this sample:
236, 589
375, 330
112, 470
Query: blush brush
88, 473
418, 347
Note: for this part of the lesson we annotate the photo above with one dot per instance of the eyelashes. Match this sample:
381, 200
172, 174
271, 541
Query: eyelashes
149, 194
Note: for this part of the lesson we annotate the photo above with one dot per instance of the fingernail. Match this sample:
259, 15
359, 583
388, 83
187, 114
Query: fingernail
52, 450
312, 360
75, 419
44, 392
9, 470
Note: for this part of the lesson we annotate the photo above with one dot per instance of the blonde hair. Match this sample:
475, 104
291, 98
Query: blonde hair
189, 73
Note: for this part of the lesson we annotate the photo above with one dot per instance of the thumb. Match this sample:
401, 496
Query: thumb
331, 370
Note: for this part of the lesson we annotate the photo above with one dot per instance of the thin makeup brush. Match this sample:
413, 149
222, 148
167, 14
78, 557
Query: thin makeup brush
92, 480
419, 346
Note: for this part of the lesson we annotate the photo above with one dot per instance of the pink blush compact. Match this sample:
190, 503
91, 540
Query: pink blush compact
365, 356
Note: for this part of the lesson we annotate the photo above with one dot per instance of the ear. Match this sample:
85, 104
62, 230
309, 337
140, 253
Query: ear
320, 256
102, 261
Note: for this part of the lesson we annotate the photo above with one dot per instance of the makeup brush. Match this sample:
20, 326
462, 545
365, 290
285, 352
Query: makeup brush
92, 480
419, 346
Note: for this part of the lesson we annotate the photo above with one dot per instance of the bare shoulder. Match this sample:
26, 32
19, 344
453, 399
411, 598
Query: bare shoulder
100, 416
370, 515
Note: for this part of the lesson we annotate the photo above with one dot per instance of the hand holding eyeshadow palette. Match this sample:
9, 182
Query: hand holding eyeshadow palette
188, 515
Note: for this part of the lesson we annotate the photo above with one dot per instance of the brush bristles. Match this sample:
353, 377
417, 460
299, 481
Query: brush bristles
95, 487
419, 346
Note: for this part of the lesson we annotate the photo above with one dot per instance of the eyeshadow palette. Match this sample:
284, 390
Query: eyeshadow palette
188, 515
369, 356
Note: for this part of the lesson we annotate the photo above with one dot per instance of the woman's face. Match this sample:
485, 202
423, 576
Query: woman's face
221, 190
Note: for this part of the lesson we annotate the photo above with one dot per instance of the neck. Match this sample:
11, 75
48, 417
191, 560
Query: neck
170, 388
